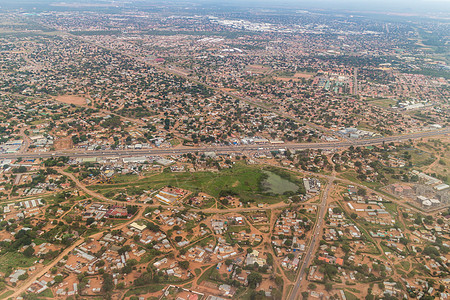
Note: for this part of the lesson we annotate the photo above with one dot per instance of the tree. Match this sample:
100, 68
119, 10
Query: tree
330, 270
345, 248
121, 285
328, 286
58, 279
153, 227
184, 264
29, 251
279, 281
288, 243
23, 276
100, 263
254, 279
337, 210
108, 283
124, 249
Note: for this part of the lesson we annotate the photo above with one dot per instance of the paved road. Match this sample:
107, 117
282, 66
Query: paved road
227, 149
309, 254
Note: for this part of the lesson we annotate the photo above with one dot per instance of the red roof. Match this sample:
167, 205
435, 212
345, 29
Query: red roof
324, 259
193, 297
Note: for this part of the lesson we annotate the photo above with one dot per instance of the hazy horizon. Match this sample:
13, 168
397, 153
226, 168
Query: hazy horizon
402, 6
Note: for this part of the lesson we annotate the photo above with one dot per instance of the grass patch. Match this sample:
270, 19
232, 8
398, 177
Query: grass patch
188, 286
46, 294
290, 275
350, 296
238, 228
15, 260
206, 274
144, 290
385, 103
420, 158
175, 142
354, 290
125, 178
6, 294
405, 264
289, 289
241, 180
38, 241
351, 175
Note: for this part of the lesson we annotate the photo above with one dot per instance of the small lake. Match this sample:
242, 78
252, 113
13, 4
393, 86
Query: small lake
277, 185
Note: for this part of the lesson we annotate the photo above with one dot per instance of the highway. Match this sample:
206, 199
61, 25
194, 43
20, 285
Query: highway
224, 149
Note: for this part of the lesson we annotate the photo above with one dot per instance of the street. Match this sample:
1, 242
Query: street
224, 149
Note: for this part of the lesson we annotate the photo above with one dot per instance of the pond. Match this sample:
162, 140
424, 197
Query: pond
277, 185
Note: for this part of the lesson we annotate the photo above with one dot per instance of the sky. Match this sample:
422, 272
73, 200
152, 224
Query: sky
377, 5
399, 6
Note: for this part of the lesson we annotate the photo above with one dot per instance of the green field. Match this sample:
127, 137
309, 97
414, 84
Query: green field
241, 180
144, 290
15, 260
47, 294
350, 296
125, 178
420, 158
351, 175
6, 294
385, 103
405, 264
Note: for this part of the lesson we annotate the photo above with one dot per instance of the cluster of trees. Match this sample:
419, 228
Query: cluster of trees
58, 161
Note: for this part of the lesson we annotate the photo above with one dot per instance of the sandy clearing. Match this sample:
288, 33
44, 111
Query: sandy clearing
71, 99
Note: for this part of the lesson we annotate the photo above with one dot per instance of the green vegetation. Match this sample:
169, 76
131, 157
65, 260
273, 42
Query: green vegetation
15, 260
385, 103
6, 294
206, 274
241, 180
125, 178
46, 294
227, 34
419, 158
350, 296
144, 290
96, 32
352, 176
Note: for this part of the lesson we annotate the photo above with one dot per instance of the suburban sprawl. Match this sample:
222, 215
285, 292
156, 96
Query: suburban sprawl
162, 151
